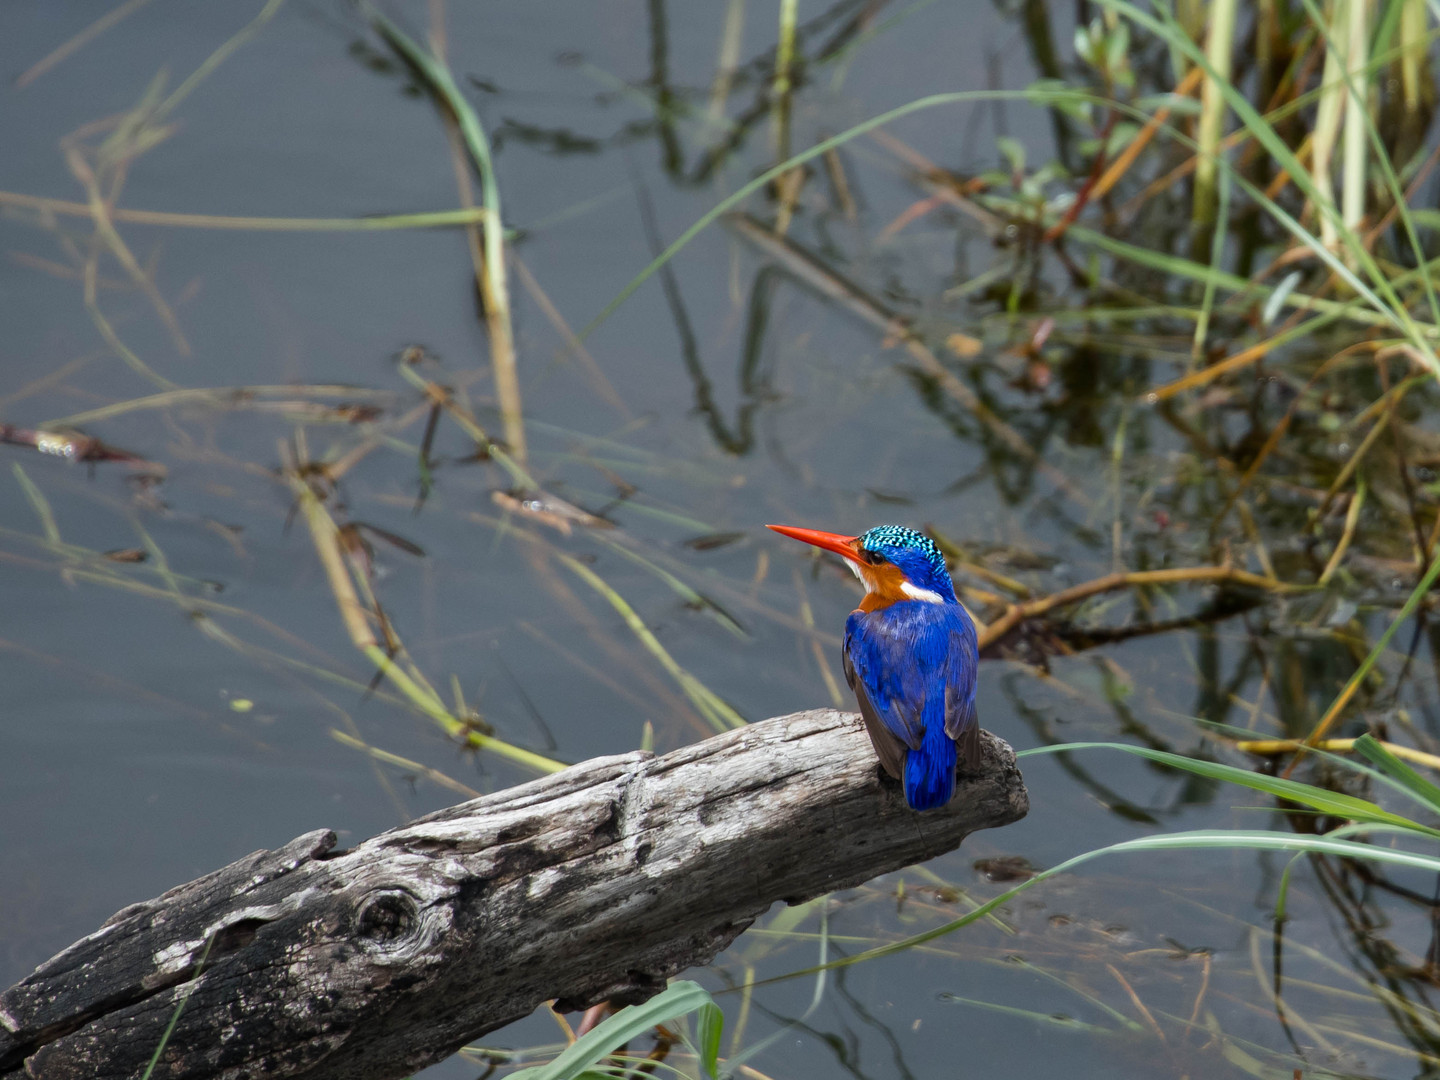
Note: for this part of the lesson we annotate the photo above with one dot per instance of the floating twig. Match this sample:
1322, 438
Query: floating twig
70, 445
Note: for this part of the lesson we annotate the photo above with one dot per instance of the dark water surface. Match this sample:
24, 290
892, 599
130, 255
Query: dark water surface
145, 745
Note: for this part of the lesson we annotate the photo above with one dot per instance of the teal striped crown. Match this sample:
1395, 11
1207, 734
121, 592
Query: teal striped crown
898, 536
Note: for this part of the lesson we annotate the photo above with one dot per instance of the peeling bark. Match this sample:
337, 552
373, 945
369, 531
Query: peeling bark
598, 882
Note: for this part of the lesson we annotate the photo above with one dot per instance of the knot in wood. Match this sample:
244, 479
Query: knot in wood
386, 917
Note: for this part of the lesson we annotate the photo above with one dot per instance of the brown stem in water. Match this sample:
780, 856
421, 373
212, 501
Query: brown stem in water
1015, 614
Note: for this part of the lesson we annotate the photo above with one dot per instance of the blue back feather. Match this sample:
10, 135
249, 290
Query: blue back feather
916, 664
930, 770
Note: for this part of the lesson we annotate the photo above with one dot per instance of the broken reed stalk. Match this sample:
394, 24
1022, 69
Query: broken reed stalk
1015, 614
325, 535
77, 42
413, 768
229, 397
1352, 519
442, 397
493, 281
425, 219
105, 233
101, 170
1275, 747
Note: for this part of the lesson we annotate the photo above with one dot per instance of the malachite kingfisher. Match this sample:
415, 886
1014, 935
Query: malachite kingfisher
910, 656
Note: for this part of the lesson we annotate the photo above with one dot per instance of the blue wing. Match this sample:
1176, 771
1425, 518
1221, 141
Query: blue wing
912, 667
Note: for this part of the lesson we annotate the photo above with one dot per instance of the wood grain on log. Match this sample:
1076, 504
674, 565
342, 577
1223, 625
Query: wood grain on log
597, 882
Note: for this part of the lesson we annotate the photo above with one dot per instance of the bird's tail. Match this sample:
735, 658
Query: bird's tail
930, 770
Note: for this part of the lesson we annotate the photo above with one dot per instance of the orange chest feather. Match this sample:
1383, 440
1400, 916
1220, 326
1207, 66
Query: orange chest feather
882, 586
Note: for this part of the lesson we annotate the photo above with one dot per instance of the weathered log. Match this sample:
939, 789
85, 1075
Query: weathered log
597, 882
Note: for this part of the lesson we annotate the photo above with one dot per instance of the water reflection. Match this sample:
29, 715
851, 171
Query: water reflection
607, 588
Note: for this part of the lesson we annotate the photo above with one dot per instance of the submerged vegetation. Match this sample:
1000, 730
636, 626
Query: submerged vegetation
1165, 400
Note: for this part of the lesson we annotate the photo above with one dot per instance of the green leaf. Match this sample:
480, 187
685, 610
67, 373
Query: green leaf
1014, 152
1222, 839
1279, 296
1429, 219
710, 1025
1117, 49
39, 504
1035, 93
678, 999
1057, 94
1329, 802
1370, 748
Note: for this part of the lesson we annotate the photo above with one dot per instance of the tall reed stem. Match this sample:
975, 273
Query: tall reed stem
493, 280
1327, 127
1357, 52
1219, 45
788, 185
1412, 36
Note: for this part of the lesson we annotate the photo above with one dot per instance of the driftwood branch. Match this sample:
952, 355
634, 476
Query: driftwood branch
597, 882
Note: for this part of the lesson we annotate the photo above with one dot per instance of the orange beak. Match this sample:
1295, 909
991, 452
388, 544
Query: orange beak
841, 545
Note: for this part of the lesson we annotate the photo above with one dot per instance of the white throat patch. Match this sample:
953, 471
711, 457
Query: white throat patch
914, 593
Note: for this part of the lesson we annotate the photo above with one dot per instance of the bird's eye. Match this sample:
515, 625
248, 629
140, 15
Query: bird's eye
874, 558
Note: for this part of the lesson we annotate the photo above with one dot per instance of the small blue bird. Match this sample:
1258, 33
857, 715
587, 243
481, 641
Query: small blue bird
910, 657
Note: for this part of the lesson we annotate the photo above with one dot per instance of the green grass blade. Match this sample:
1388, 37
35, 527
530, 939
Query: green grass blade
1363, 671
1370, 747
1383, 163
179, 1008
39, 504
1340, 760
1217, 256
711, 706
690, 596
1220, 839
709, 1027
1040, 95
678, 999
1316, 798
436, 73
